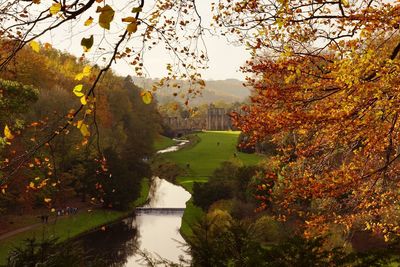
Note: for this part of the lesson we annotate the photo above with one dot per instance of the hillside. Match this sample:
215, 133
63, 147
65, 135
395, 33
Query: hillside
229, 91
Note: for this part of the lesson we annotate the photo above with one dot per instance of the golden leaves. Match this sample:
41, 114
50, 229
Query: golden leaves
7, 133
89, 21
132, 26
83, 100
77, 90
84, 128
55, 8
147, 97
85, 73
35, 46
129, 19
106, 16
136, 10
345, 3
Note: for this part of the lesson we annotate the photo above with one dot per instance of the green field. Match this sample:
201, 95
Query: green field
71, 226
207, 155
201, 160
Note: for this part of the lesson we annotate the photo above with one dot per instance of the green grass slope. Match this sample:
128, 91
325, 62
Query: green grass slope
201, 160
162, 142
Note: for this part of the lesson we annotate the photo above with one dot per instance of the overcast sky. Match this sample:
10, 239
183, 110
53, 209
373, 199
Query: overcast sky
224, 59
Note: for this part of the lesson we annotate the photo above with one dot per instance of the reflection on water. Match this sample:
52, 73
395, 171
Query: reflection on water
158, 236
163, 194
111, 247
156, 233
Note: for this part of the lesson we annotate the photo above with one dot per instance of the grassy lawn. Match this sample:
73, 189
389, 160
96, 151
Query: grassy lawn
207, 155
162, 142
201, 160
71, 226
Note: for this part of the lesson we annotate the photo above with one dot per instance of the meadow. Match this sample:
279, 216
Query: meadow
200, 161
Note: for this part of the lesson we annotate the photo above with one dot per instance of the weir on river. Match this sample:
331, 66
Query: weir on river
154, 228
159, 210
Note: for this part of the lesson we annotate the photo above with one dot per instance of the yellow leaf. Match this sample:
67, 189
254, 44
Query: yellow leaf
79, 124
35, 46
55, 8
78, 94
345, 3
32, 185
77, 90
106, 16
83, 100
136, 10
7, 133
147, 97
386, 238
132, 27
79, 76
86, 70
84, 130
88, 21
129, 19
202, 82
47, 199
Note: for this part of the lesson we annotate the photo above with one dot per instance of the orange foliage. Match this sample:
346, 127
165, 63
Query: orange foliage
326, 87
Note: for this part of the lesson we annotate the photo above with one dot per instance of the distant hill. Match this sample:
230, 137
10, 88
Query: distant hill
229, 91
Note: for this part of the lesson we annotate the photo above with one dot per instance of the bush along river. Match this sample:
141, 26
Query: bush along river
153, 229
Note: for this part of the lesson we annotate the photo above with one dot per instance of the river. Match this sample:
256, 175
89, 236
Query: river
153, 232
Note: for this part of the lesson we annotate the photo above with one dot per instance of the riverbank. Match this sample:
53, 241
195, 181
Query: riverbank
163, 142
199, 160
71, 226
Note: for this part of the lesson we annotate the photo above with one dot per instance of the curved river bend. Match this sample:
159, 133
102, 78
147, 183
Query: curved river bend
154, 232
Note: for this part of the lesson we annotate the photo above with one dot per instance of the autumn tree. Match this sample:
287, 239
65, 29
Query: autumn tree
120, 31
325, 75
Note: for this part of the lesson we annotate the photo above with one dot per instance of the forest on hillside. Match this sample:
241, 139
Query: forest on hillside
121, 128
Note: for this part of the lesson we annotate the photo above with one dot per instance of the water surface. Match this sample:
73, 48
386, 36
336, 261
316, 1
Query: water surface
156, 233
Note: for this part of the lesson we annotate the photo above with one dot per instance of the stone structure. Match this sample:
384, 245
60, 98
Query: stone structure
218, 119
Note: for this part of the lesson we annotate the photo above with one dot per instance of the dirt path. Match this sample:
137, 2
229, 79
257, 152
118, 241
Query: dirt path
19, 230
6, 235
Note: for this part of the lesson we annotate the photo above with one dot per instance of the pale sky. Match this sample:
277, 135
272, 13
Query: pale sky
224, 59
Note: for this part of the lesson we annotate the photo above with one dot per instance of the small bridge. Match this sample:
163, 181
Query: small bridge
159, 210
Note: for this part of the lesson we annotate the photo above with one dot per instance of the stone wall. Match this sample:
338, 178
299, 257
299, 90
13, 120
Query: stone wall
216, 119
